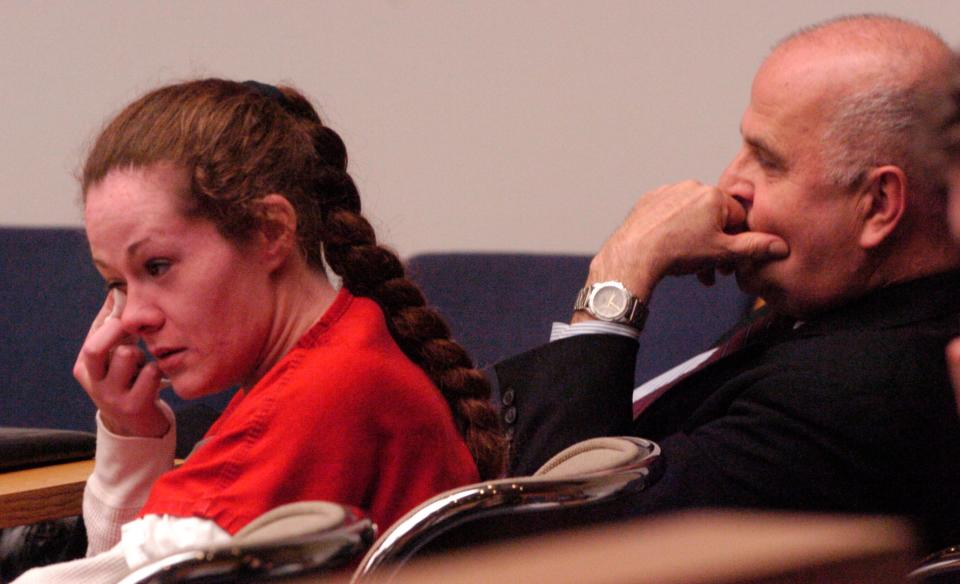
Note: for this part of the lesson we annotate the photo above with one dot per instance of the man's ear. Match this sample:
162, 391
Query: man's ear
883, 202
277, 230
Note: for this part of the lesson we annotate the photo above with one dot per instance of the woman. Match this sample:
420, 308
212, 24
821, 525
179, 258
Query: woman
213, 209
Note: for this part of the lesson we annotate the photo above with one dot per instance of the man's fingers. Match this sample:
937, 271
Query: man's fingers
757, 246
707, 277
734, 215
953, 364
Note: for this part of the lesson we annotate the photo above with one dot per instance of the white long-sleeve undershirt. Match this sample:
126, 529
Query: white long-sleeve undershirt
118, 543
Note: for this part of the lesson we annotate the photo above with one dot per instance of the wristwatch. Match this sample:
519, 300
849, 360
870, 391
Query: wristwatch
612, 302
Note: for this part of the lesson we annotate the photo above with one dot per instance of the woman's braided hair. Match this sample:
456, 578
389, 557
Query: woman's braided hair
242, 141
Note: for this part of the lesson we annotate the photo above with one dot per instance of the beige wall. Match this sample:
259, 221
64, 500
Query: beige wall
485, 125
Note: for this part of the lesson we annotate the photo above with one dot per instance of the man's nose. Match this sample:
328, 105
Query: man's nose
734, 182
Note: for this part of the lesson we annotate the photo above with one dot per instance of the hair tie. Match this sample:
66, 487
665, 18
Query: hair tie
267, 90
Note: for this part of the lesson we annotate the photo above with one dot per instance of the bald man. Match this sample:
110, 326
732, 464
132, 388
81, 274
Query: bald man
837, 398
940, 139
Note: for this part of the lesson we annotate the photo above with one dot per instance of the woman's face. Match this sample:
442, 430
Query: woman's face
200, 303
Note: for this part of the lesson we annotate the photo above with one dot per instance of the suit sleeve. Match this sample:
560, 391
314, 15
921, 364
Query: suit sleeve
778, 444
564, 392
794, 441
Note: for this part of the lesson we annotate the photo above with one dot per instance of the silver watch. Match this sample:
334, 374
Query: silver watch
612, 302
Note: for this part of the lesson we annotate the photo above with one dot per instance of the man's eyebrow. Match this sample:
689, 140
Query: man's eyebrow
766, 151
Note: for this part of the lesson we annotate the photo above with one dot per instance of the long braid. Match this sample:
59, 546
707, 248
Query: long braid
367, 269
370, 270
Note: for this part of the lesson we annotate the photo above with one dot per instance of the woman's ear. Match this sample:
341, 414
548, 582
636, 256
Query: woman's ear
277, 231
883, 202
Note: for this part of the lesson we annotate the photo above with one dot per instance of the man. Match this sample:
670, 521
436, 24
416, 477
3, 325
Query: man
841, 402
940, 139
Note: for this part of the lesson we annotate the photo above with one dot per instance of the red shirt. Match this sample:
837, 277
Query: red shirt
345, 417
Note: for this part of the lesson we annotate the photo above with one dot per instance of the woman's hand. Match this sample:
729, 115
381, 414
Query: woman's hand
111, 369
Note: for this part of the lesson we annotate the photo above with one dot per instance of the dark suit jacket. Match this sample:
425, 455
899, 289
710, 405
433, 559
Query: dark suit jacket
851, 412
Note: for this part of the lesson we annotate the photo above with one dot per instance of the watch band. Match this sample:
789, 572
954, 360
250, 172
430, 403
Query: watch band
633, 314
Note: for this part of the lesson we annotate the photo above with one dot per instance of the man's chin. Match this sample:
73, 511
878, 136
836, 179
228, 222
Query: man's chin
749, 280
761, 278
759, 283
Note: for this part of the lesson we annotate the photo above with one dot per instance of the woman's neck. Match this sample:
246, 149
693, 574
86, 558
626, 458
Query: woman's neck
301, 296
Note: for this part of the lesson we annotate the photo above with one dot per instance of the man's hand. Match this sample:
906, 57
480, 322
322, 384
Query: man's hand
678, 229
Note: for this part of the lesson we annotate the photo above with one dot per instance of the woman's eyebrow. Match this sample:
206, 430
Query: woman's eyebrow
130, 251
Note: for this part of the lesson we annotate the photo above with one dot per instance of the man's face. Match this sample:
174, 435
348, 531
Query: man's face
953, 203
779, 176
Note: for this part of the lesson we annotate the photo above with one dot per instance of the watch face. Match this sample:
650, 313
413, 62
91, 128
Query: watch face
609, 302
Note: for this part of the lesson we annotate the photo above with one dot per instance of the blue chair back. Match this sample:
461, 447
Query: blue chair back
501, 304
49, 294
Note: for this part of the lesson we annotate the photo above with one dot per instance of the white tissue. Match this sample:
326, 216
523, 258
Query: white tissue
153, 537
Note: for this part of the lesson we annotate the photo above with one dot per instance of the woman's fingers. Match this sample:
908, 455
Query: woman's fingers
105, 334
107, 379
107, 309
124, 365
147, 385
94, 358
114, 373
127, 396
135, 412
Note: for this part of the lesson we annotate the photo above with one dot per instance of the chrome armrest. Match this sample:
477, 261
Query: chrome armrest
307, 553
511, 495
941, 563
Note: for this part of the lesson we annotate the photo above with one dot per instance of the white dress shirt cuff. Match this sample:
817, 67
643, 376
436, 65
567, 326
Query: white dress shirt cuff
562, 330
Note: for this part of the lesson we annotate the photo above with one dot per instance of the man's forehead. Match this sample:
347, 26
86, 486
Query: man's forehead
792, 95
805, 68
896, 43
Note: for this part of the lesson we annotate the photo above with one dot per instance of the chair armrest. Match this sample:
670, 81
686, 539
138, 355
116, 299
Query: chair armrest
941, 566
511, 495
256, 555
